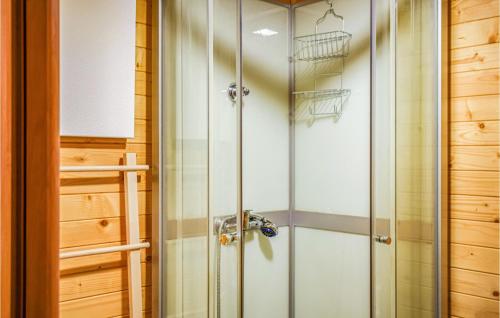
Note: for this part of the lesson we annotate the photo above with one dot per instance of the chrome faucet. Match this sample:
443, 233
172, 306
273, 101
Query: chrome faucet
226, 227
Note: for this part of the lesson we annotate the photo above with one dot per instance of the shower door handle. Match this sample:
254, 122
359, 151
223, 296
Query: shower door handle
384, 239
232, 92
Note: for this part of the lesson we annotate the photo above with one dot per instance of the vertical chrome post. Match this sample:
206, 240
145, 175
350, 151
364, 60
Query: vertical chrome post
373, 51
157, 171
239, 158
441, 210
211, 295
291, 171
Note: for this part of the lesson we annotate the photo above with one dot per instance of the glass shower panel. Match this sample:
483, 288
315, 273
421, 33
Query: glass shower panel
383, 161
416, 157
332, 165
185, 150
266, 132
223, 149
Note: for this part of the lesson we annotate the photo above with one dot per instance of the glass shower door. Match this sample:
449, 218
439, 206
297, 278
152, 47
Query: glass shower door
201, 159
225, 181
265, 157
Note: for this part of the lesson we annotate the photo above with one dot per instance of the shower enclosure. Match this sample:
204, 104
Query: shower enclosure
299, 172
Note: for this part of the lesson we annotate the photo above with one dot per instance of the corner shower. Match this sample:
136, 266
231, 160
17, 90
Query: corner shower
299, 172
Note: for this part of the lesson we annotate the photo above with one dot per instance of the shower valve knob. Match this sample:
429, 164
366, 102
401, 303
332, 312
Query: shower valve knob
226, 239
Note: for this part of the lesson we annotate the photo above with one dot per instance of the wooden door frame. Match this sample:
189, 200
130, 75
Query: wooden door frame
29, 158
11, 158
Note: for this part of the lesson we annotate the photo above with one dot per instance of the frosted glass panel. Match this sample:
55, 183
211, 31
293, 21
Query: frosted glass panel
97, 67
332, 274
185, 149
383, 163
332, 168
416, 153
332, 159
266, 154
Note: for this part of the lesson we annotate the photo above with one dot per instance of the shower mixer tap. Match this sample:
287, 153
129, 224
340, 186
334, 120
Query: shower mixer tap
226, 227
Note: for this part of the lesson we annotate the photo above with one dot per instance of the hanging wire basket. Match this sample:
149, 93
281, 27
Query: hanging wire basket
328, 102
322, 46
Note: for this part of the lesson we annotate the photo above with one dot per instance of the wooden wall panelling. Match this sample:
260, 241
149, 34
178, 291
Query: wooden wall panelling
474, 161
474, 108
93, 204
104, 305
478, 158
474, 283
475, 258
95, 231
463, 305
471, 10
475, 233
75, 207
475, 58
475, 133
109, 280
472, 83
475, 208
474, 33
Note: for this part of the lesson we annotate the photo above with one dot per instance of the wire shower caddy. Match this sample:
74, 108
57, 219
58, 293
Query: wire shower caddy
320, 48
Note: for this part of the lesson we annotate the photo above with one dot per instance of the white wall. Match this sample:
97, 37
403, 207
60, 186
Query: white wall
97, 49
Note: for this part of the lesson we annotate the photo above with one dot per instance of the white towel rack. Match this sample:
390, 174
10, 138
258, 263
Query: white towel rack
134, 245
104, 250
104, 168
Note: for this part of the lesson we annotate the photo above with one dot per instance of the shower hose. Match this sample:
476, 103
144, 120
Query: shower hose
217, 275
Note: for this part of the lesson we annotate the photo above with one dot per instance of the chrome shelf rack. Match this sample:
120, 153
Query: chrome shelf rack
322, 47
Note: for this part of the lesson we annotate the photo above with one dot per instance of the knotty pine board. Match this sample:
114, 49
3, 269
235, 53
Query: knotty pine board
474, 108
474, 33
104, 305
475, 58
470, 10
474, 283
475, 208
485, 158
474, 258
462, 305
109, 280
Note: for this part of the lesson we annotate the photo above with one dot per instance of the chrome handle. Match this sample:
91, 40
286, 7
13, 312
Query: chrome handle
383, 239
232, 91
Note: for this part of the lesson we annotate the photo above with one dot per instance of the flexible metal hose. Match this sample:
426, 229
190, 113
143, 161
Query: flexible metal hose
217, 276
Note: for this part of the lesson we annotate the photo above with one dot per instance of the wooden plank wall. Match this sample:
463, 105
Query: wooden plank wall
93, 206
474, 158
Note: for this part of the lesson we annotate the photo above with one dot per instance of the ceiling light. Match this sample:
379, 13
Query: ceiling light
265, 32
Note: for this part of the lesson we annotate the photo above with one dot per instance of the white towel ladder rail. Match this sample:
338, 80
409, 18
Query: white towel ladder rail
134, 245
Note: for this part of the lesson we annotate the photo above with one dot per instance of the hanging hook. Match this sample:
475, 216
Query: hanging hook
331, 11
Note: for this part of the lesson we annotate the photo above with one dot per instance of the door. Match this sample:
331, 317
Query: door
202, 257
